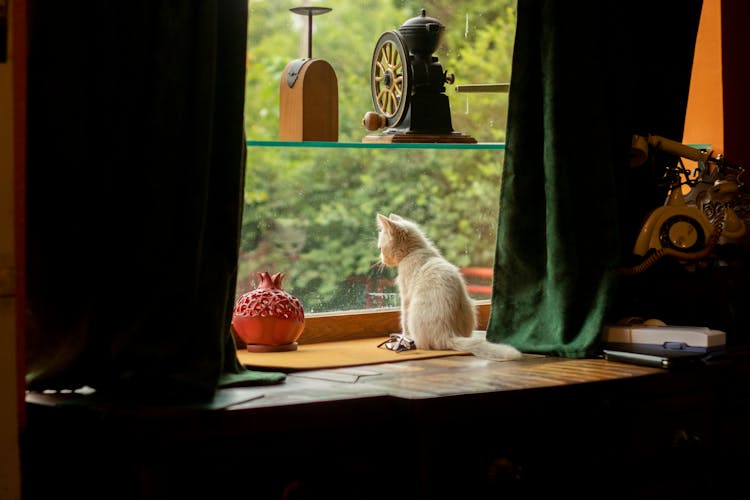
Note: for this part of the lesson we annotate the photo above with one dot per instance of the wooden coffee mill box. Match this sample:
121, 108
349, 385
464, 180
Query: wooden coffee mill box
308, 94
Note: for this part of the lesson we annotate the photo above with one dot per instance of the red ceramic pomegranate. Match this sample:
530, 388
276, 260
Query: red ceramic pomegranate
268, 318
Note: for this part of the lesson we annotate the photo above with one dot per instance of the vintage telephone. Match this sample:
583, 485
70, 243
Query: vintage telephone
689, 225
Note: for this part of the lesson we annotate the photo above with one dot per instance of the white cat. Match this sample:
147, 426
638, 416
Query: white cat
436, 310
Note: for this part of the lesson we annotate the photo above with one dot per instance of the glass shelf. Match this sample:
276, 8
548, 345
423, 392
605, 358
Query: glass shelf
497, 146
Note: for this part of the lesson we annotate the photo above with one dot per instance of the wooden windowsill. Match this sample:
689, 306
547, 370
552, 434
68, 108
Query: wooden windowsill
415, 379
448, 376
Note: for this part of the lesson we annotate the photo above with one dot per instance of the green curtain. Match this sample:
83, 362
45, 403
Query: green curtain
586, 76
134, 187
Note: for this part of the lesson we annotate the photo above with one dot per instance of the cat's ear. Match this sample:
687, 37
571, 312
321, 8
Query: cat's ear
395, 217
383, 222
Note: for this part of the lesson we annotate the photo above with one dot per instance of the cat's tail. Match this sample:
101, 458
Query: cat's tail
479, 346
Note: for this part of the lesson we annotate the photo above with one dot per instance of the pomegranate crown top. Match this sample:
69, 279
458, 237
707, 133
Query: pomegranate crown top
266, 280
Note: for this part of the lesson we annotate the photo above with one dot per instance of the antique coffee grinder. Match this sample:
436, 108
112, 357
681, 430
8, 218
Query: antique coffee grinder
408, 86
308, 94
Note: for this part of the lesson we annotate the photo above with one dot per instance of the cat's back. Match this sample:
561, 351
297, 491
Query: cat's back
436, 279
439, 305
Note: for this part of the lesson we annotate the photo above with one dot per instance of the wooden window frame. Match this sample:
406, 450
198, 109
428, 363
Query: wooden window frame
359, 324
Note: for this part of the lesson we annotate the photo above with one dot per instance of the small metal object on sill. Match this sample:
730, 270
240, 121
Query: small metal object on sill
398, 342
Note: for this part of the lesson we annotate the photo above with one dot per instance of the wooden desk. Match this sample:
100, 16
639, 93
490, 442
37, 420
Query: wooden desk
453, 427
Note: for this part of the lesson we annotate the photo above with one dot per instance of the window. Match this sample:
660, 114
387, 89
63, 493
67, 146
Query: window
310, 211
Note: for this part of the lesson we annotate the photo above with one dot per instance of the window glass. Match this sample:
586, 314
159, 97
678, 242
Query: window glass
310, 211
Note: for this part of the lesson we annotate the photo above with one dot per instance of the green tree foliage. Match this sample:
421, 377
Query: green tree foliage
329, 196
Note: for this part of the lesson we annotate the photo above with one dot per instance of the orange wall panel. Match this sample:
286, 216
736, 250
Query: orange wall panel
704, 120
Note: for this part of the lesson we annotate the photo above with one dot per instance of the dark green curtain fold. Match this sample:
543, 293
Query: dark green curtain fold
134, 180
586, 76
